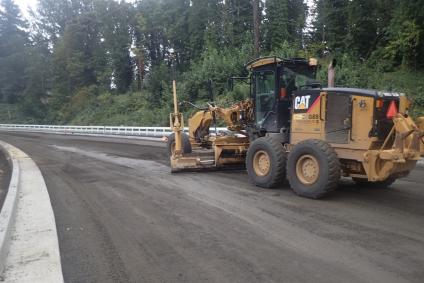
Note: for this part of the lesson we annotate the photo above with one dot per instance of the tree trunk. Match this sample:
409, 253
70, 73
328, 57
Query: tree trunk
256, 23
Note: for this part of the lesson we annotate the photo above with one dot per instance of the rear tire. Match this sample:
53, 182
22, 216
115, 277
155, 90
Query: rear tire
379, 184
266, 162
313, 169
170, 145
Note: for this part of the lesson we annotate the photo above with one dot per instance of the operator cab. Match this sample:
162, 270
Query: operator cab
273, 82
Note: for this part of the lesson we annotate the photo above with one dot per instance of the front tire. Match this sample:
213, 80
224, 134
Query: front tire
313, 169
266, 162
186, 145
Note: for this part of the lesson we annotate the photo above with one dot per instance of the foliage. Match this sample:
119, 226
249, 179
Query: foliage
404, 44
13, 51
126, 109
108, 61
217, 66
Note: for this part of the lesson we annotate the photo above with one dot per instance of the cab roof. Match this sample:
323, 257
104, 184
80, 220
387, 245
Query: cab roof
263, 61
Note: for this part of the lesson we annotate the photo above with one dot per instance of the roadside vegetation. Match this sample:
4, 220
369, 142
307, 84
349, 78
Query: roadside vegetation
93, 62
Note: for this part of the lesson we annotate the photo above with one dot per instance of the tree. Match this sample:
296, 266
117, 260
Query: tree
362, 26
202, 24
52, 16
277, 28
406, 32
297, 14
76, 58
237, 22
285, 21
13, 51
38, 79
256, 29
150, 30
330, 25
116, 35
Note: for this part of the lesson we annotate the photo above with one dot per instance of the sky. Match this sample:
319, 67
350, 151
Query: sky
25, 4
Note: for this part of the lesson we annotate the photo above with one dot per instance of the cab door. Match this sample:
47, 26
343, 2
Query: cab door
265, 100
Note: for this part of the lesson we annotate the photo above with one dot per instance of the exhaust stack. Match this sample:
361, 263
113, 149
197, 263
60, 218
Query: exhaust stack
332, 73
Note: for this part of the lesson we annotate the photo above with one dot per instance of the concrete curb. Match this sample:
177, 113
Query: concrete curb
29, 247
8, 211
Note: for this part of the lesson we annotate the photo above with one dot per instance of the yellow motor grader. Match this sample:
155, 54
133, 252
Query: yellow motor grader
292, 128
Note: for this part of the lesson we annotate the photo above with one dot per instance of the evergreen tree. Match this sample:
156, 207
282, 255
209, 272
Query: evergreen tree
317, 32
116, 37
151, 30
38, 79
277, 23
238, 22
75, 63
331, 23
362, 26
285, 21
204, 25
178, 31
52, 16
297, 14
13, 51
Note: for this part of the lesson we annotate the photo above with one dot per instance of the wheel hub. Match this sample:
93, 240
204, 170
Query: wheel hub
261, 163
307, 169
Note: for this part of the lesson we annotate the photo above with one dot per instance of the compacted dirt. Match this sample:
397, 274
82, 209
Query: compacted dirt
123, 217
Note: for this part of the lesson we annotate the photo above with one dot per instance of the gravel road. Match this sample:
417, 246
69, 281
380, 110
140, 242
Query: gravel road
123, 217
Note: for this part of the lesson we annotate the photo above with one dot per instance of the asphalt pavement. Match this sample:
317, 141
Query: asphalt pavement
123, 217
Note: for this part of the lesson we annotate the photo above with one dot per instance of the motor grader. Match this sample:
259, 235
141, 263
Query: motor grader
293, 129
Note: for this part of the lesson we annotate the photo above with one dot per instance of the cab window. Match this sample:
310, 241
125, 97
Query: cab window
264, 94
294, 79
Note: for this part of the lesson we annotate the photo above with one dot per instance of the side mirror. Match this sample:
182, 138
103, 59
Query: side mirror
230, 84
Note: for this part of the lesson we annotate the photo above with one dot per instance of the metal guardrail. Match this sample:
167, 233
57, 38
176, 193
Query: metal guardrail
99, 130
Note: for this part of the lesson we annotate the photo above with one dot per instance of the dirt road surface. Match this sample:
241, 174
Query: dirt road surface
123, 217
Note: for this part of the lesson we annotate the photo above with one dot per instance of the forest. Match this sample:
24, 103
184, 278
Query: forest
108, 62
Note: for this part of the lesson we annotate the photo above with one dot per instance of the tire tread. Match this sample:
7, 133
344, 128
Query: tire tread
279, 166
334, 169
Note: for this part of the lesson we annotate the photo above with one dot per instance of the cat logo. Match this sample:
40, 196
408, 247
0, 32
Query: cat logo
302, 102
